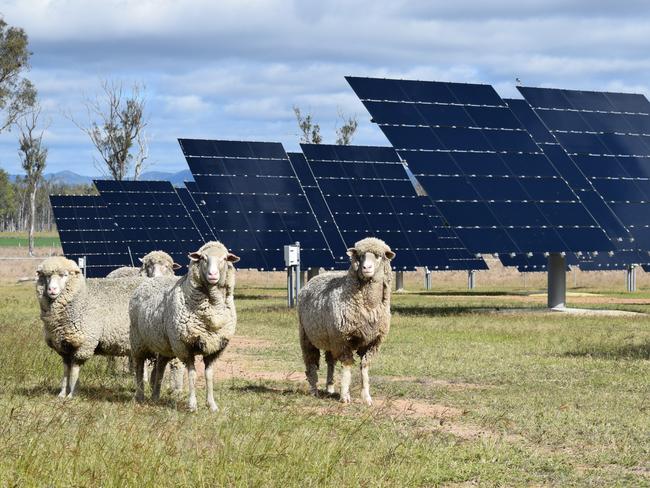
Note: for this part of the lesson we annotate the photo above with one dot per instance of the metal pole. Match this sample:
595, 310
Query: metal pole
427, 278
631, 278
470, 279
298, 274
312, 273
399, 280
556, 280
290, 286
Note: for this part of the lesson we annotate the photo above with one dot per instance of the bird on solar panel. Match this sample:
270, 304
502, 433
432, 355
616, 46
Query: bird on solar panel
76, 322
184, 317
346, 313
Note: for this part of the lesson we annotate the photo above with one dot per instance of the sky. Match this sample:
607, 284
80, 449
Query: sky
234, 69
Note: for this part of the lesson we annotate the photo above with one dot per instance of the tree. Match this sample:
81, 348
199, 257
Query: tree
345, 133
116, 127
7, 200
310, 131
33, 156
16, 93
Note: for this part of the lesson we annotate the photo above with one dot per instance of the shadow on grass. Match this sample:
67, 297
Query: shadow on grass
264, 389
249, 296
415, 311
97, 393
627, 351
475, 293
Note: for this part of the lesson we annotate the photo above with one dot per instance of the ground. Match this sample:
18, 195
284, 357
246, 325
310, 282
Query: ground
470, 389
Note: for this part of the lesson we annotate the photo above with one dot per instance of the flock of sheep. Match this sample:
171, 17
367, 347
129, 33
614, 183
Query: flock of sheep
150, 314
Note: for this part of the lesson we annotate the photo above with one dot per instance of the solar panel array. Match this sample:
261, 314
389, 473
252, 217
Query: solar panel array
87, 229
368, 193
254, 202
481, 168
151, 217
606, 146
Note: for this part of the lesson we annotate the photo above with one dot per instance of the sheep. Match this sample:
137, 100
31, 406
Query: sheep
82, 317
341, 313
156, 263
183, 317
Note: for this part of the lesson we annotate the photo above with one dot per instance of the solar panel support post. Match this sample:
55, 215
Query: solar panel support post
427, 279
312, 273
471, 276
82, 264
399, 280
292, 261
556, 280
304, 276
631, 278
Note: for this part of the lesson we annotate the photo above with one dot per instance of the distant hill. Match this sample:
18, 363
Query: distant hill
72, 178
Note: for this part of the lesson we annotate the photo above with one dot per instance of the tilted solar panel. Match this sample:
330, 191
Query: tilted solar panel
151, 217
87, 229
193, 207
605, 137
484, 172
254, 202
368, 193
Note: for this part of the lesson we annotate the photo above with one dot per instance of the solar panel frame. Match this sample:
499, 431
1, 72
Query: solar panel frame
87, 229
422, 144
368, 192
254, 202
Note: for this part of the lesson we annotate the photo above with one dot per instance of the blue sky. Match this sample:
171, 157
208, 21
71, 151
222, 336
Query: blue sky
234, 69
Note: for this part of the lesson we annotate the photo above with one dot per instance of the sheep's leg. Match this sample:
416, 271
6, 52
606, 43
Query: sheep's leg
311, 357
209, 361
139, 378
346, 378
151, 376
64, 381
331, 363
365, 381
176, 372
157, 376
366, 355
73, 378
191, 374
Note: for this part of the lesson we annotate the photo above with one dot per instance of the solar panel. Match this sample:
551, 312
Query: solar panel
193, 207
254, 202
86, 229
367, 192
151, 216
601, 139
484, 172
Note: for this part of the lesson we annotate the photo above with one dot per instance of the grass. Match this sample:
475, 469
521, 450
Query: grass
20, 239
541, 399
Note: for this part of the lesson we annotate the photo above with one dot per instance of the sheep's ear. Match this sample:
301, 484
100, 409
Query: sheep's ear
194, 256
39, 269
351, 251
141, 260
176, 266
389, 254
232, 258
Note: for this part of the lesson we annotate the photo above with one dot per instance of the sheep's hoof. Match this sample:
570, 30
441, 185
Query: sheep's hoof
62, 394
367, 400
213, 407
192, 406
313, 392
330, 390
345, 398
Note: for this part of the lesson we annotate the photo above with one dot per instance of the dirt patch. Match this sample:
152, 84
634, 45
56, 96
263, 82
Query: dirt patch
240, 343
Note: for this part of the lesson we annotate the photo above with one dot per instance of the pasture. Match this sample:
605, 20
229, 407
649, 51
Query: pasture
466, 393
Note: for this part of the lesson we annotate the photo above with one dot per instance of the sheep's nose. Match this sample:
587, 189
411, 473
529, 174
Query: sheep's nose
367, 267
52, 289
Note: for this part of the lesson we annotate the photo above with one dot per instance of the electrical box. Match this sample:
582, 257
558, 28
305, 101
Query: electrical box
291, 255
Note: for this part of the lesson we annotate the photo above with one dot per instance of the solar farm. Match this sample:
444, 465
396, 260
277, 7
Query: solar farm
508, 376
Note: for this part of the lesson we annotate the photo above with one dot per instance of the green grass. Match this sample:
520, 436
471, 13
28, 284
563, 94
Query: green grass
41, 239
563, 400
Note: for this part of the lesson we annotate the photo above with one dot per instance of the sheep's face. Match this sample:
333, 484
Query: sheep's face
368, 264
153, 269
53, 282
213, 264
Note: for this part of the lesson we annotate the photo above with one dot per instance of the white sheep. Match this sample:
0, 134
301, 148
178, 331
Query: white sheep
346, 313
82, 317
184, 317
156, 263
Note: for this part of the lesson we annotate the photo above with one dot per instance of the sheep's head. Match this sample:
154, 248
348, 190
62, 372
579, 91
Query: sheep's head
54, 274
158, 263
211, 263
370, 258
